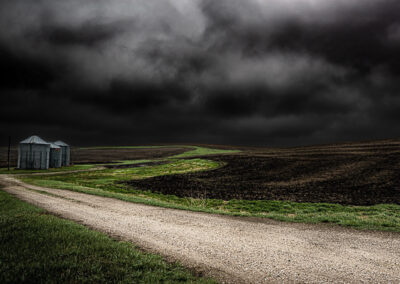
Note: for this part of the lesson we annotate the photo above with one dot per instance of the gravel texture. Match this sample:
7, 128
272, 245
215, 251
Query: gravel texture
232, 250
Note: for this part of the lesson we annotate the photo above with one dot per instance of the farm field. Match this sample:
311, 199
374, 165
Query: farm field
351, 184
355, 180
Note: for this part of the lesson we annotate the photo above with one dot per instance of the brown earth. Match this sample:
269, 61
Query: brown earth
93, 156
233, 250
357, 174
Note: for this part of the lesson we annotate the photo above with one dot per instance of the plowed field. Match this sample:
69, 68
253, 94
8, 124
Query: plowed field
352, 174
106, 155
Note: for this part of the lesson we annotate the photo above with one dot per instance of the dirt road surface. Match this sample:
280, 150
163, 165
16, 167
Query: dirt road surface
233, 250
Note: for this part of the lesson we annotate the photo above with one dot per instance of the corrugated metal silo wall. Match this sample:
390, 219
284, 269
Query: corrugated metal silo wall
62, 150
65, 152
67, 156
23, 156
33, 156
55, 158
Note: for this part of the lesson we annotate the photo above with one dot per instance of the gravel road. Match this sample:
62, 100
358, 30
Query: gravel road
232, 250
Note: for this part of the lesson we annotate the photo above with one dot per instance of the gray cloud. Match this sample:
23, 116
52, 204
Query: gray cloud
226, 71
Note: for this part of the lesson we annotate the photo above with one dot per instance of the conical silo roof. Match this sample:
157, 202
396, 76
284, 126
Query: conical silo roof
61, 143
54, 146
33, 140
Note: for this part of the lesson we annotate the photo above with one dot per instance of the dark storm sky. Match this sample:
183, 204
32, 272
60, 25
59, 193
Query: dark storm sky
259, 72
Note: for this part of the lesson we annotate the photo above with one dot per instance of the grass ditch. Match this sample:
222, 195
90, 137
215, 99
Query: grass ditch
109, 183
201, 151
110, 179
36, 247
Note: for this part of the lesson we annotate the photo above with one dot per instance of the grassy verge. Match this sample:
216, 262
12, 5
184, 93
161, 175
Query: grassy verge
201, 151
384, 217
109, 179
63, 169
36, 248
197, 151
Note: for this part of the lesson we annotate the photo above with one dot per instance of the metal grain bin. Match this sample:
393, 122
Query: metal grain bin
33, 153
55, 156
65, 152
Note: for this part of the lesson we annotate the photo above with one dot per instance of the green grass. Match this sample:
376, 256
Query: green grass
63, 169
201, 151
384, 217
36, 247
108, 179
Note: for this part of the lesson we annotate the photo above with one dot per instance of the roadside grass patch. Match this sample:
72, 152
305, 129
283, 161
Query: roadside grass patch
111, 179
41, 248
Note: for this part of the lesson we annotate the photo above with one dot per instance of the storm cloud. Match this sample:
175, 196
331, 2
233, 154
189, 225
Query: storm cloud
227, 71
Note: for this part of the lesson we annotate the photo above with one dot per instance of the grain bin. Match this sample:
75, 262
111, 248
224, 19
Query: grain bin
33, 153
55, 156
65, 152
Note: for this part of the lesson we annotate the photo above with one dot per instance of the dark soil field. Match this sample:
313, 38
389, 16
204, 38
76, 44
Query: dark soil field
107, 155
13, 156
351, 174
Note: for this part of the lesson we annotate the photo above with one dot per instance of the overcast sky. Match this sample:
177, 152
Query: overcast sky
255, 72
